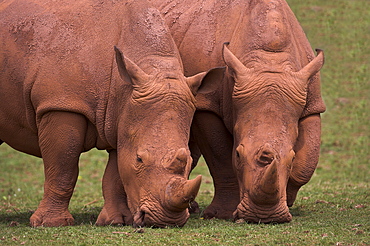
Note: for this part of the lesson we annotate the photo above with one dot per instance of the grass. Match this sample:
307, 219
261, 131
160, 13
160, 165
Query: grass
332, 209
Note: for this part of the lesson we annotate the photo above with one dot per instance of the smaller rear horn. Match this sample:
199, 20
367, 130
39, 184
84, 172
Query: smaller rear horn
179, 164
266, 154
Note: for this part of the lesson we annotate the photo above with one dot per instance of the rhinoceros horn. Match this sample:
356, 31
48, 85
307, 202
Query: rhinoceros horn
181, 162
270, 179
180, 193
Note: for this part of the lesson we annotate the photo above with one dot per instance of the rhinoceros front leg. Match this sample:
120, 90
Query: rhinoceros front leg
61, 140
115, 210
195, 155
216, 143
307, 151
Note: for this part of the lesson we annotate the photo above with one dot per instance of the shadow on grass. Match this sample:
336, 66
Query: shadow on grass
15, 218
296, 211
23, 218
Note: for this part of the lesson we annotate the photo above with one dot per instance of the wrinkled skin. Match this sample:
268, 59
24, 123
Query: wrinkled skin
262, 116
65, 90
267, 105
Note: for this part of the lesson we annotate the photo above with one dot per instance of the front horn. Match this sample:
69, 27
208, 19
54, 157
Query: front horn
180, 193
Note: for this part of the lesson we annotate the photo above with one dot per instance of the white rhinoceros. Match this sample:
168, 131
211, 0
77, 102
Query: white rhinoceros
63, 93
261, 118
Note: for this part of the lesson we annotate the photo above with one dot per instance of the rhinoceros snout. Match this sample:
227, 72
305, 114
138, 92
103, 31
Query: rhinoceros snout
158, 217
249, 212
139, 219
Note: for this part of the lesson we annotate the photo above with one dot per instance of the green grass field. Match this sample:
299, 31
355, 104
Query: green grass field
332, 209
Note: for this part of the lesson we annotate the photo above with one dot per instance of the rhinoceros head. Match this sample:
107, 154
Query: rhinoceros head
152, 147
268, 99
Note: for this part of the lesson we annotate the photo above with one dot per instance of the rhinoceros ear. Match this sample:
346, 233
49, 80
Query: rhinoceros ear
236, 67
206, 81
129, 71
313, 67
195, 81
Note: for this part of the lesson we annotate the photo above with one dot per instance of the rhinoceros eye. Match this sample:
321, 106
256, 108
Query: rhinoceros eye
238, 150
138, 158
142, 156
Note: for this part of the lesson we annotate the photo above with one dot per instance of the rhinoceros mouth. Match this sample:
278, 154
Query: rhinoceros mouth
158, 217
249, 212
170, 209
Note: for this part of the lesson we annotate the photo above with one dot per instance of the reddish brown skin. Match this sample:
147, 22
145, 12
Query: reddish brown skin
266, 38
65, 90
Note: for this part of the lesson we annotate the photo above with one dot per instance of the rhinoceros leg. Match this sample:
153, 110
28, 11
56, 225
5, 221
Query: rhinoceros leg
115, 210
215, 143
307, 151
61, 140
195, 155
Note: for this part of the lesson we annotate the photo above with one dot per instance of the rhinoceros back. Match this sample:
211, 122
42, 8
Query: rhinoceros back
58, 55
201, 27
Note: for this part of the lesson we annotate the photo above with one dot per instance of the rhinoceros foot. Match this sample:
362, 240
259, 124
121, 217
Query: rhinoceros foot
219, 211
194, 208
223, 204
291, 193
111, 217
51, 218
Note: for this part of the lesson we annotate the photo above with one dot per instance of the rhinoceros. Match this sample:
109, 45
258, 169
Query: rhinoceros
65, 89
261, 118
